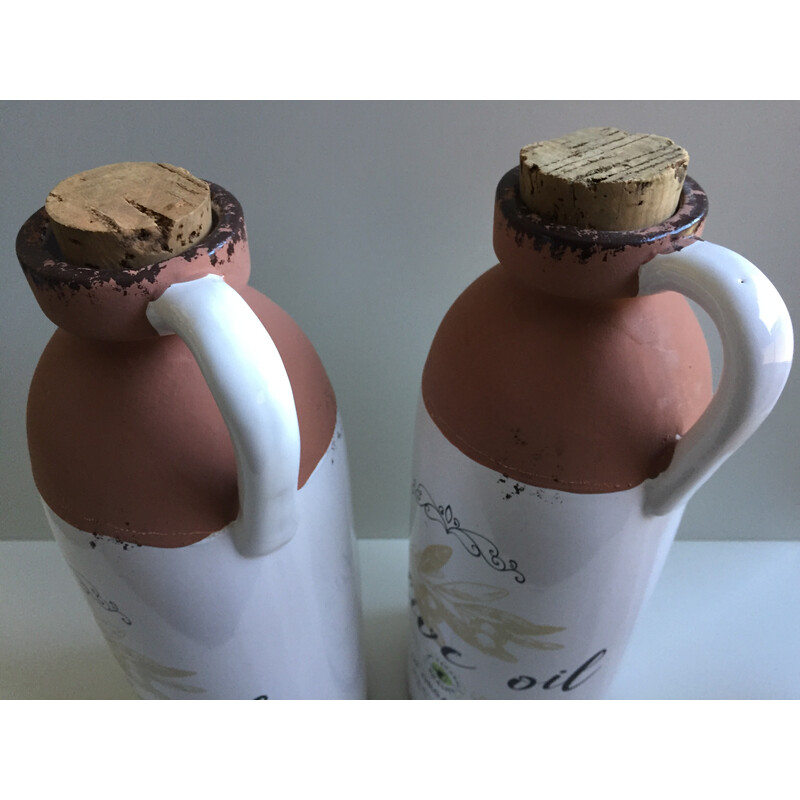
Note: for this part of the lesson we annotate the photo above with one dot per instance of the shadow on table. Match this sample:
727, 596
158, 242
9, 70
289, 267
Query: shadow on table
65, 673
386, 645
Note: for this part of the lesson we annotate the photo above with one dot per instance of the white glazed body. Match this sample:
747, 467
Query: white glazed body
208, 622
525, 592
267, 607
519, 592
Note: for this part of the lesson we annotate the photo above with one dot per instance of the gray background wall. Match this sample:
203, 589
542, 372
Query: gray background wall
366, 219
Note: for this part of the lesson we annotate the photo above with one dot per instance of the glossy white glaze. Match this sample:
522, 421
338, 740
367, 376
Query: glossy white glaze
524, 592
209, 622
249, 383
269, 606
758, 344
515, 588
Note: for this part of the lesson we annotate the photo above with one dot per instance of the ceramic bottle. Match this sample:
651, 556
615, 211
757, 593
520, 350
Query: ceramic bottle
566, 417
185, 441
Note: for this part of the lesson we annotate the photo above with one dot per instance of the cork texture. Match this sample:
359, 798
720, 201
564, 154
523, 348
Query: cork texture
603, 178
129, 214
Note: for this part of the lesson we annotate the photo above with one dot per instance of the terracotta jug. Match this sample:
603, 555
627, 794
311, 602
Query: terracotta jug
185, 441
566, 418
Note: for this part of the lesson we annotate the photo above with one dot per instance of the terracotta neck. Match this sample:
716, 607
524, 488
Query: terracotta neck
125, 437
581, 263
550, 370
110, 304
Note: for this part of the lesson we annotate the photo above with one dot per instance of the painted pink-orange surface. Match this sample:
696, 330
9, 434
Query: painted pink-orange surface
549, 368
124, 436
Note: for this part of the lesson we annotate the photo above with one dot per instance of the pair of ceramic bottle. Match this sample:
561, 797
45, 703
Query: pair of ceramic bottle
186, 443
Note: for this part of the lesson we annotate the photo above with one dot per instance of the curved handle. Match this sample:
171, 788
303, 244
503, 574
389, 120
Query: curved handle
248, 380
757, 343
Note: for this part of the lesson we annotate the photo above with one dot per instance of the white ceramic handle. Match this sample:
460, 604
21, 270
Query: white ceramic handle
248, 380
757, 344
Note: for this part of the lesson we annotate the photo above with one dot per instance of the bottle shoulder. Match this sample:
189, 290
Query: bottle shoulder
562, 393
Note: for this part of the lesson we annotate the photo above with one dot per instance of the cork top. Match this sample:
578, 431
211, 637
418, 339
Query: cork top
129, 215
603, 178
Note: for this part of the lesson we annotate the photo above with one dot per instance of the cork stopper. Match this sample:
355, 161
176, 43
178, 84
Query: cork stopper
128, 215
603, 178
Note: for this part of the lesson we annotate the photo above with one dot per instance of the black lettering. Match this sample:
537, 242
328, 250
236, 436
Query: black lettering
552, 682
522, 683
429, 634
448, 651
569, 683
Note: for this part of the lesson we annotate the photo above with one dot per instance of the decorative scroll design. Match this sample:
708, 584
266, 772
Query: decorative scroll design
108, 605
476, 544
146, 675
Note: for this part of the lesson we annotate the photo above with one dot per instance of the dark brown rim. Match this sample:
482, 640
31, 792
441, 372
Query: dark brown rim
692, 209
40, 257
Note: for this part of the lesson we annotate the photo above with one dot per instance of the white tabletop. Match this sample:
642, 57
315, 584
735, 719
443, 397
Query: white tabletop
723, 623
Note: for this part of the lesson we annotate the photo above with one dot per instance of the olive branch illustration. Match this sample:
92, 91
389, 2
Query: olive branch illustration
469, 609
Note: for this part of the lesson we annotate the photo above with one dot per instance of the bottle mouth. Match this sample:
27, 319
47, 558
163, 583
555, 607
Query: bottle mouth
583, 263
691, 211
41, 258
110, 303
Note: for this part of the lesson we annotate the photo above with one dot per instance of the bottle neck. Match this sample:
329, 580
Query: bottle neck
110, 304
586, 264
